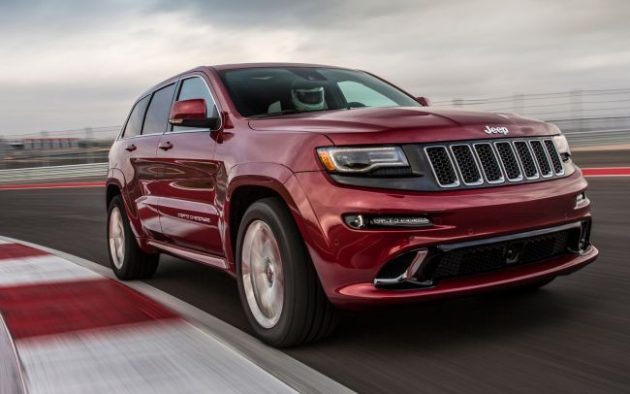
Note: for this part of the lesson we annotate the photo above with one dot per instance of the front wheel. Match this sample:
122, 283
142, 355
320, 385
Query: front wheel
278, 286
126, 258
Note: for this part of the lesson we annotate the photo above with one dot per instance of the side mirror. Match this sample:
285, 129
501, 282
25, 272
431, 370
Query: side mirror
192, 113
424, 101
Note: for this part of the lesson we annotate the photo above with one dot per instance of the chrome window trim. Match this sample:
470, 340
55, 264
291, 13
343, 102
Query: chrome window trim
518, 163
214, 101
140, 136
495, 182
454, 184
121, 133
551, 172
524, 141
458, 170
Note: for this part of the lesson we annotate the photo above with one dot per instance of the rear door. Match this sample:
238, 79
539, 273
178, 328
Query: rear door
140, 169
188, 212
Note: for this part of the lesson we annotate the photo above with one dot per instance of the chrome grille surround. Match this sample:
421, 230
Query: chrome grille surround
438, 171
509, 159
489, 162
472, 159
556, 160
542, 158
526, 160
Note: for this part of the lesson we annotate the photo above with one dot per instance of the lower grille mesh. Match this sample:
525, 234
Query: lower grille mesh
495, 256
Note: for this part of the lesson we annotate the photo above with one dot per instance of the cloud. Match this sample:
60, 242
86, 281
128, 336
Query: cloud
70, 64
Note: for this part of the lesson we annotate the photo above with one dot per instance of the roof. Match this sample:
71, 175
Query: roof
237, 66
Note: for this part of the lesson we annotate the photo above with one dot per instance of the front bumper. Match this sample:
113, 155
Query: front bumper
362, 293
348, 260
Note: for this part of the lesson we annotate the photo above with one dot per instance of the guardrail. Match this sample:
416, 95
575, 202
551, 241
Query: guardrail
598, 137
576, 138
55, 172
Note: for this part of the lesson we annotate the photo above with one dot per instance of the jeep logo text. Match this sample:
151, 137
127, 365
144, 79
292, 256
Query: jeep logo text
496, 130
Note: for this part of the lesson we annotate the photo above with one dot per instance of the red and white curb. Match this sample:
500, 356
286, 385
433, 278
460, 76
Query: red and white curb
606, 172
56, 185
595, 172
67, 328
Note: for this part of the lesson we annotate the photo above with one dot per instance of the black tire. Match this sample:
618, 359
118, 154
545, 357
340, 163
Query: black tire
136, 264
306, 315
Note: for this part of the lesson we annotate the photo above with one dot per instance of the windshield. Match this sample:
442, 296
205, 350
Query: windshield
258, 92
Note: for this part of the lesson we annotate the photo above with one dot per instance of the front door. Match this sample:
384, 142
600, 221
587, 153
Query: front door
188, 213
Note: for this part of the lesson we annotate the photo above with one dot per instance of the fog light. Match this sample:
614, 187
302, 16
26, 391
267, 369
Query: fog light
355, 221
362, 221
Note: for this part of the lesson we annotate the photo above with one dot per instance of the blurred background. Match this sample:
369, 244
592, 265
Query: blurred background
72, 69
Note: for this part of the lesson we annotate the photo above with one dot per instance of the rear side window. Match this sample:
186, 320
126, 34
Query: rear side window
156, 120
134, 124
196, 88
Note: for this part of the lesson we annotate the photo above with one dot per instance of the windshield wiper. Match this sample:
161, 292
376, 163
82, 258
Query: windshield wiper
279, 113
295, 111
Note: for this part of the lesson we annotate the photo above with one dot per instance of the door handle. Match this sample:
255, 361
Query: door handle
165, 145
130, 148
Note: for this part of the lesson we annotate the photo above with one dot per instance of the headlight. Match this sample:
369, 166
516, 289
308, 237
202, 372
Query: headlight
562, 145
361, 160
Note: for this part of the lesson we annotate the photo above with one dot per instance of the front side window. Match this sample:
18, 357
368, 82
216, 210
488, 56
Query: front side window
196, 88
274, 91
156, 120
134, 124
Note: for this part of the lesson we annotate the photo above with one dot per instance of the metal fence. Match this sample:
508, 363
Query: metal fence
587, 117
53, 172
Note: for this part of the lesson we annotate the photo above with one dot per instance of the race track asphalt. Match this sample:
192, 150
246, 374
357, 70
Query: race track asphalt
571, 336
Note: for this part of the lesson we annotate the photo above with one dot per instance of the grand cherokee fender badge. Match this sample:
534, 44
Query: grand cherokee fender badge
496, 130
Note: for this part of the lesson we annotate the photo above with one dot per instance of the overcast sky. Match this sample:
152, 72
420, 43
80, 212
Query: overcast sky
68, 64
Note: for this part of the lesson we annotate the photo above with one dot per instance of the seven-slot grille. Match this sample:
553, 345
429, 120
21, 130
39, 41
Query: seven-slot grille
494, 162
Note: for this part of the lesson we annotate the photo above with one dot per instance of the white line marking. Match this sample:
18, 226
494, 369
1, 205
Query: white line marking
167, 357
287, 369
42, 269
11, 378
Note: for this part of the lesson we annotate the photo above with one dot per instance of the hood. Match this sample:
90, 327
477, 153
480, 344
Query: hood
404, 125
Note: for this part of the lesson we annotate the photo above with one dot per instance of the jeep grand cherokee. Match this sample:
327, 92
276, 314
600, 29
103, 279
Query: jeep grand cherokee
321, 188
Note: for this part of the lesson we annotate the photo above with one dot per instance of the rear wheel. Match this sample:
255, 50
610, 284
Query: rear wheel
278, 286
126, 258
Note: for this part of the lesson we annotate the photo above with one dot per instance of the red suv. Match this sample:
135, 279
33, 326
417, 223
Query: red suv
321, 188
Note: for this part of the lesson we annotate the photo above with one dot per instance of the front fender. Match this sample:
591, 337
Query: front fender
268, 175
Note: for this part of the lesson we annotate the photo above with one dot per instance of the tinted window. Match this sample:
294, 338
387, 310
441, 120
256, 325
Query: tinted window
359, 95
159, 108
195, 88
276, 91
134, 124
